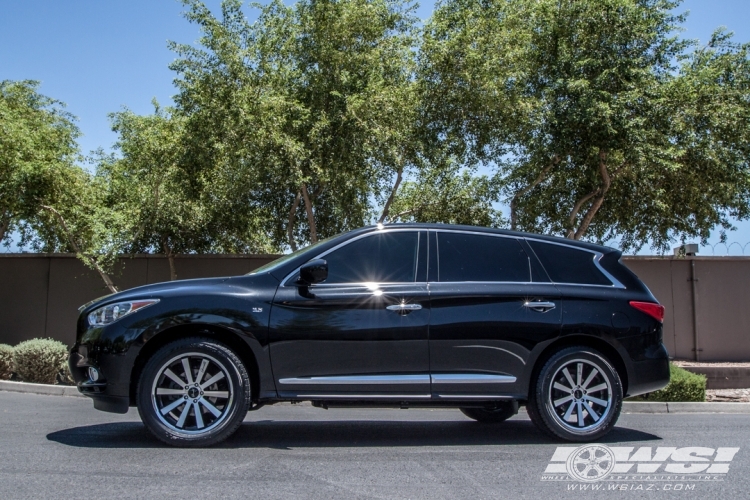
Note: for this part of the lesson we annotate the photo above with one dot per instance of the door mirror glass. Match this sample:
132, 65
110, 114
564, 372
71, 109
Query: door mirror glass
312, 272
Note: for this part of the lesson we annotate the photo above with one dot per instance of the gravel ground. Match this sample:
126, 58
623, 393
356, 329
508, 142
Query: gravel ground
730, 395
702, 364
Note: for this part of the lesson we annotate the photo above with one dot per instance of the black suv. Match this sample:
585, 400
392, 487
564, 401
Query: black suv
403, 316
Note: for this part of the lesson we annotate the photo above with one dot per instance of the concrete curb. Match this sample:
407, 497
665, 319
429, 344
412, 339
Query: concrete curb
712, 407
50, 390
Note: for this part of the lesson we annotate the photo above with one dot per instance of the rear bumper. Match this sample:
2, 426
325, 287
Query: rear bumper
650, 374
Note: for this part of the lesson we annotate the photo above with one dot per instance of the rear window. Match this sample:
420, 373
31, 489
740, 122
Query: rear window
569, 265
474, 257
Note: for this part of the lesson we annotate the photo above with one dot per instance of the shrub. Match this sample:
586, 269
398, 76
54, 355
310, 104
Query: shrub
39, 360
683, 386
6, 361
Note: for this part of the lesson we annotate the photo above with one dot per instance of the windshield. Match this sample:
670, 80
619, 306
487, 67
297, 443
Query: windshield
285, 258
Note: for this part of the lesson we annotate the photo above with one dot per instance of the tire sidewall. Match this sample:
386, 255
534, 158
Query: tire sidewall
544, 407
235, 371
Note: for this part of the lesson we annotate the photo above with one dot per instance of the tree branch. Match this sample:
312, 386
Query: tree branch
4, 224
170, 259
602, 192
388, 202
87, 258
310, 215
519, 193
290, 223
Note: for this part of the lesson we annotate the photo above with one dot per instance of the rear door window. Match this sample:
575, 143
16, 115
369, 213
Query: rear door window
569, 265
477, 257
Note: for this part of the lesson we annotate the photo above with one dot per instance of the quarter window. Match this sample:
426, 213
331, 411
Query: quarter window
475, 257
389, 257
569, 265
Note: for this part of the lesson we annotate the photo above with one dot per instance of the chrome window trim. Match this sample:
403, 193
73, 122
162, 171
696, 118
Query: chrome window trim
358, 380
356, 238
597, 257
471, 378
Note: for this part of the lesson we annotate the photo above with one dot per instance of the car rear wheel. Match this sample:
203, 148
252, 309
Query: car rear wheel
193, 392
502, 412
577, 395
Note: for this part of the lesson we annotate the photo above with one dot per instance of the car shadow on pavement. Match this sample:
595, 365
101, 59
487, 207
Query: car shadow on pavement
339, 433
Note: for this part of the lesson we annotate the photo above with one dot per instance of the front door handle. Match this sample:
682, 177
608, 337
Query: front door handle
403, 309
539, 306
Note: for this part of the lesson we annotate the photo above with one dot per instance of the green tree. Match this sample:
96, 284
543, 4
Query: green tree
600, 121
449, 195
38, 151
308, 111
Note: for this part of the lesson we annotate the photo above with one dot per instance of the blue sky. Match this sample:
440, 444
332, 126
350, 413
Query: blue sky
98, 56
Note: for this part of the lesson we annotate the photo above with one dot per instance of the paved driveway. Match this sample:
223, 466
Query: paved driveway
60, 447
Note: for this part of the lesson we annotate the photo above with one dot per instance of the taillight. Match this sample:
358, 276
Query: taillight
656, 311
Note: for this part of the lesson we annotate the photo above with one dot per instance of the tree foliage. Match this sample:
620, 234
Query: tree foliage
309, 110
601, 122
38, 151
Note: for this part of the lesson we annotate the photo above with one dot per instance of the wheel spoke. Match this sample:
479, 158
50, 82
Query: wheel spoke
568, 377
579, 373
201, 371
169, 392
597, 388
591, 411
212, 380
177, 380
188, 371
183, 416
594, 373
216, 394
598, 401
171, 406
560, 387
580, 414
564, 400
570, 411
210, 407
198, 416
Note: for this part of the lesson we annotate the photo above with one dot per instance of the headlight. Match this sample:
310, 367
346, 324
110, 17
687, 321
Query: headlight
112, 312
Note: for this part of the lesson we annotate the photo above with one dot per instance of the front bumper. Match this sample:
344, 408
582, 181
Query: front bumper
112, 392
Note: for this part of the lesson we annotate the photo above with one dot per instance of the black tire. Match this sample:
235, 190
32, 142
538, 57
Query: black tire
186, 415
563, 405
503, 412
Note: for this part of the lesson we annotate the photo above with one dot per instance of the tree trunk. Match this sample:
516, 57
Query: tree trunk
170, 259
290, 224
4, 224
310, 215
598, 196
537, 181
388, 202
91, 261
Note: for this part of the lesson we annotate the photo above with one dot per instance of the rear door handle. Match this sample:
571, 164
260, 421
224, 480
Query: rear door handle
404, 308
539, 306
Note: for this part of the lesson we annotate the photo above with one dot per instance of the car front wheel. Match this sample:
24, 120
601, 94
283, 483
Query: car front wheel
577, 395
193, 392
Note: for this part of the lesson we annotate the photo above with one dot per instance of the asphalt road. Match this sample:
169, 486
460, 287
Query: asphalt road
60, 447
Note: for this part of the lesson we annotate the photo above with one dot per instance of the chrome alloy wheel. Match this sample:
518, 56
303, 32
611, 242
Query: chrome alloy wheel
580, 395
192, 393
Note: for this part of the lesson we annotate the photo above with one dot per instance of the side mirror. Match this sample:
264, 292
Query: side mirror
313, 272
